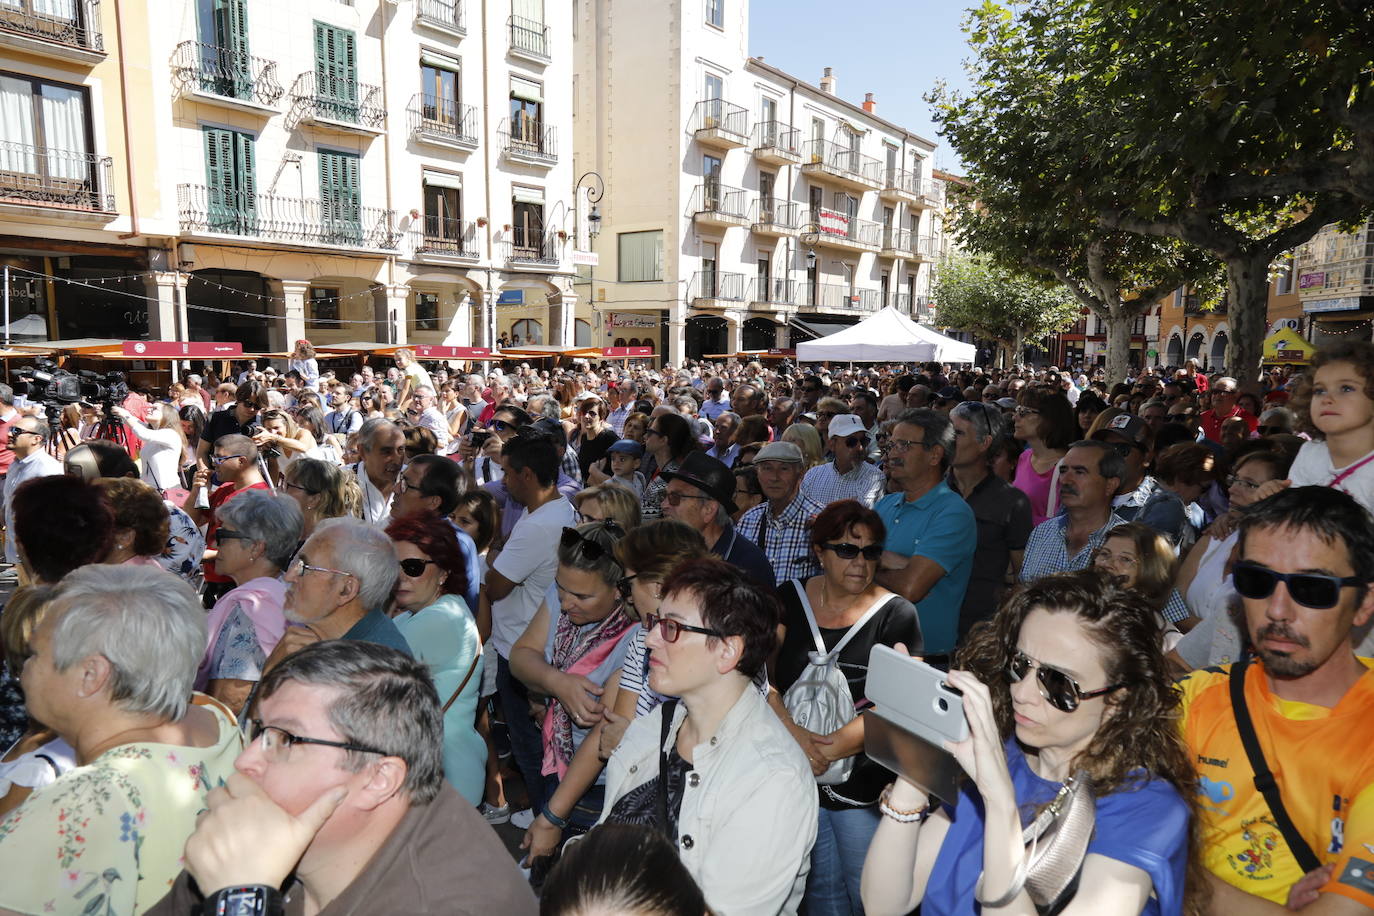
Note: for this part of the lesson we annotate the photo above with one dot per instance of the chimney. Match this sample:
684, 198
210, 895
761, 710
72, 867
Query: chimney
828, 80
870, 106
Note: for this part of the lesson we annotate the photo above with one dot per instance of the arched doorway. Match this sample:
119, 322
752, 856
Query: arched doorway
1195, 345
527, 331
1173, 355
706, 334
582, 333
759, 334
619, 342
1218, 350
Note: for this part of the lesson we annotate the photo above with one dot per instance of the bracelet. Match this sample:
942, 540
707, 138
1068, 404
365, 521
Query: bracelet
560, 822
902, 817
246, 900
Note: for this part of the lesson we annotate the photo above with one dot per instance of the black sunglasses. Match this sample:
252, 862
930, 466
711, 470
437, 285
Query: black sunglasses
872, 553
414, 567
593, 551
1062, 691
855, 441
624, 584
1313, 590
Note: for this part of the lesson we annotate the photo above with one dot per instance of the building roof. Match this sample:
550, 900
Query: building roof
758, 64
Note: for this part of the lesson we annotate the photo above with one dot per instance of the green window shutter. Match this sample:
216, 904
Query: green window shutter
340, 197
336, 72
246, 180
219, 179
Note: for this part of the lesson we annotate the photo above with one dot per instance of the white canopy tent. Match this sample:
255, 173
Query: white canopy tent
887, 337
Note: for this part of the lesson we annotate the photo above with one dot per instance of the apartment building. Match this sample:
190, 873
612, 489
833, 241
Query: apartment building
744, 207
346, 171
1334, 273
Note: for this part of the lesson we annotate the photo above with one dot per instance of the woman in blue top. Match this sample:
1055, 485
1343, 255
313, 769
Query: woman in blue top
1068, 676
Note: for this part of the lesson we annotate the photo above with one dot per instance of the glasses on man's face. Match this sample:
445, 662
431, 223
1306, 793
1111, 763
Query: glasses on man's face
298, 567
592, 550
675, 499
276, 743
872, 552
501, 426
671, 629
414, 567
900, 445
856, 441
1311, 590
1062, 691
220, 459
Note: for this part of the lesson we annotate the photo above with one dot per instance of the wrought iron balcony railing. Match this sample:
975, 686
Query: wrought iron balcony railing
834, 226
786, 214
902, 181
714, 197
452, 238
839, 296
524, 247
898, 240
715, 284
339, 224
446, 14
842, 160
443, 119
529, 37
73, 23
718, 114
202, 67
530, 139
928, 246
776, 135
59, 179
775, 290
331, 98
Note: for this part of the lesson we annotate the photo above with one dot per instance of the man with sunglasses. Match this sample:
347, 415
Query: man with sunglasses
28, 440
235, 464
1224, 407
848, 475
1303, 575
249, 399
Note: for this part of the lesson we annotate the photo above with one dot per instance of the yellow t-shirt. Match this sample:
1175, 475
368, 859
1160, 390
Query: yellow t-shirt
108, 837
1323, 760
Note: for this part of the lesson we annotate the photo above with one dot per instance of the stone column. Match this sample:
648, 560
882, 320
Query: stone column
734, 326
166, 315
677, 334
391, 308
293, 309
780, 335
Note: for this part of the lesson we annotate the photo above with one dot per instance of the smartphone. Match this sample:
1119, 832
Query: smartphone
915, 713
478, 437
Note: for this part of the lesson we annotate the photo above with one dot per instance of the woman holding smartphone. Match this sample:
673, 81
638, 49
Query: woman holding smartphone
1068, 677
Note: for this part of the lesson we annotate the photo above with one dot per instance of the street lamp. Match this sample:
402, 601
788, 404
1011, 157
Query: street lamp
593, 197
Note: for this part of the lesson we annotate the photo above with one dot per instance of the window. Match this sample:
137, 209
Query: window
443, 207
817, 129
764, 269
528, 331
640, 256
225, 67
888, 213
883, 286
891, 156
526, 114
715, 13
814, 196
768, 111
46, 128
582, 332
341, 208
713, 87
323, 308
767, 184
336, 72
527, 224
1284, 284
710, 255
426, 312
439, 89
230, 181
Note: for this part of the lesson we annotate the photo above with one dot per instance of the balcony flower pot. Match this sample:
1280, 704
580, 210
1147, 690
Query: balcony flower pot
562, 235
506, 228
482, 222
414, 213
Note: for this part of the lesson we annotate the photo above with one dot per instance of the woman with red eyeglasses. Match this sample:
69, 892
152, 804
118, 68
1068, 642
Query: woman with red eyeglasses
847, 613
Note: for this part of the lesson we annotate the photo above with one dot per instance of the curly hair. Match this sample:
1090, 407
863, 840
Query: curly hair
1141, 729
139, 508
1358, 353
433, 536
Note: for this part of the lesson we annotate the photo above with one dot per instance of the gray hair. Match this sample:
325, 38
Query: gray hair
153, 644
726, 416
6, 395
364, 552
371, 430
986, 419
424, 389
385, 700
544, 405
936, 430
41, 427
1279, 416
1111, 464
274, 520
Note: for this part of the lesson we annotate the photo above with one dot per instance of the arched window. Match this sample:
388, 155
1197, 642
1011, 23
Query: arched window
620, 342
582, 333
528, 330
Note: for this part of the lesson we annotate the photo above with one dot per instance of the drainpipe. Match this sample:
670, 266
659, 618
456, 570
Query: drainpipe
487, 311
124, 114
386, 164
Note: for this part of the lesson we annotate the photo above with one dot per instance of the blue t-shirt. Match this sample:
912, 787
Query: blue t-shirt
374, 626
1146, 826
939, 526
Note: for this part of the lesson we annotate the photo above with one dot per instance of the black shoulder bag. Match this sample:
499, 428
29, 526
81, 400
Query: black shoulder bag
1264, 777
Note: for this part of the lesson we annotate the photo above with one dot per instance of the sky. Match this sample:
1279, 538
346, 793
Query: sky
896, 49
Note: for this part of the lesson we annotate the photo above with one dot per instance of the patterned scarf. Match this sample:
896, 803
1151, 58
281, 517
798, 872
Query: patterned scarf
577, 650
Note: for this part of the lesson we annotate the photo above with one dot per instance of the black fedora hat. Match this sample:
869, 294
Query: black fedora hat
710, 476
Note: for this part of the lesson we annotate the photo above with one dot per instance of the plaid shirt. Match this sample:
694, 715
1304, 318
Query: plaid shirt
787, 541
1046, 551
617, 419
570, 465
826, 485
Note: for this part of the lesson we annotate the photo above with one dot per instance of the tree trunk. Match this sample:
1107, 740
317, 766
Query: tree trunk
1247, 295
1118, 345
1018, 348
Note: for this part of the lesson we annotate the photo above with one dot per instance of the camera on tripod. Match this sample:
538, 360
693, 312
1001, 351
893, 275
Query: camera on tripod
48, 383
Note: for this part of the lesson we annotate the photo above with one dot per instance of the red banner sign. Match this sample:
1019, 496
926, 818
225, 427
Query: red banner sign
428, 351
174, 349
621, 352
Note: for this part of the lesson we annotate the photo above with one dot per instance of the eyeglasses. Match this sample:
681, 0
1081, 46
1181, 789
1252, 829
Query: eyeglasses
675, 499
299, 567
220, 459
295, 486
592, 550
1025, 411
901, 445
872, 553
1062, 691
402, 485
671, 629
414, 567
1237, 480
224, 534
1313, 590
277, 742
652, 432
500, 426
856, 441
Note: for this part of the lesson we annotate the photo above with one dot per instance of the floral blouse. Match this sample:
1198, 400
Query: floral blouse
107, 838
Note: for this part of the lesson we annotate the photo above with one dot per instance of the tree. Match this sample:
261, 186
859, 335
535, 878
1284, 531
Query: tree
1240, 129
975, 294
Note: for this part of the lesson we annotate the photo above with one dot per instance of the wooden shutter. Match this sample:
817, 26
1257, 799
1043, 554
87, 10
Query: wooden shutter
340, 198
219, 179
336, 71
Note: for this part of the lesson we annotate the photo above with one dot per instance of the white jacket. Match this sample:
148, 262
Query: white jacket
749, 809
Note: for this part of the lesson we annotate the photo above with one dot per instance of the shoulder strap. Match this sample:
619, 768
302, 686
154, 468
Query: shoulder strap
669, 707
849, 634
1052, 503
1264, 777
467, 677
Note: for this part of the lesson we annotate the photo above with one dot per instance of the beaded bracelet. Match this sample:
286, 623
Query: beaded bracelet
901, 817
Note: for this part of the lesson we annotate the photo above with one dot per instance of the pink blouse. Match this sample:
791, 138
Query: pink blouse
1035, 485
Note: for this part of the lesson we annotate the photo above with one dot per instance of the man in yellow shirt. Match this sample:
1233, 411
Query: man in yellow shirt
1305, 565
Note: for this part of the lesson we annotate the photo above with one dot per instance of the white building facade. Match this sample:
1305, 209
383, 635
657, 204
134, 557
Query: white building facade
742, 205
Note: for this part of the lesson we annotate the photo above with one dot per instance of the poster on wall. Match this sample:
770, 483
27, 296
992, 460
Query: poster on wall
616, 320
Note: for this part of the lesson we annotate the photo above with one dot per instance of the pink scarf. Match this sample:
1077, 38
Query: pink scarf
261, 599
576, 650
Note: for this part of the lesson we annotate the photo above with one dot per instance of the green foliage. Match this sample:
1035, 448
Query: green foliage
975, 294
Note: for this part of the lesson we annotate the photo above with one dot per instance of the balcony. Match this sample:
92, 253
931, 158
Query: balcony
775, 217
896, 243
718, 124
776, 143
927, 248
1193, 307
529, 40
219, 76
531, 143
441, 15
901, 186
836, 297
336, 104
841, 165
292, 221
834, 229
715, 204
59, 182
932, 194
442, 122
444, 240
525, 250
713, 289
66, 29
771, 293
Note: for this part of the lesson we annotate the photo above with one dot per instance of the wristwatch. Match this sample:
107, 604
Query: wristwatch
249, 900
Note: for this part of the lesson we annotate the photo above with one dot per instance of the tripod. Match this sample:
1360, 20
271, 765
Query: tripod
111, 428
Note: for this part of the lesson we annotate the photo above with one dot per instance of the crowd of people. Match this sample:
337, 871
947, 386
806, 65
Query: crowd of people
301, 640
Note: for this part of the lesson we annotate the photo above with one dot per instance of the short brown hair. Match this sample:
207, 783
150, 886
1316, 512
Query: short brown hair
655, 550
139, 508
731, 604
23, 614
1186, 462
839, 518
